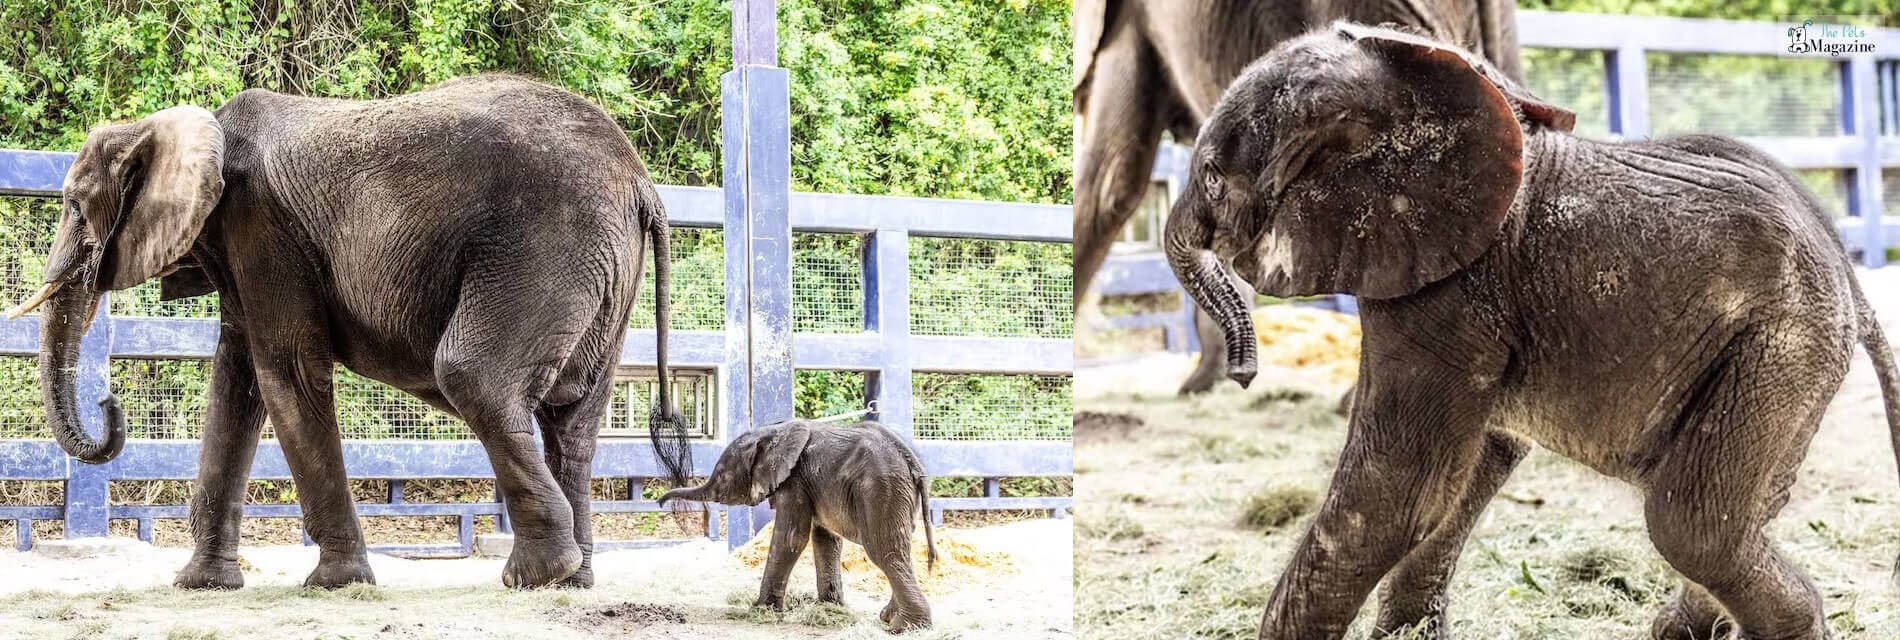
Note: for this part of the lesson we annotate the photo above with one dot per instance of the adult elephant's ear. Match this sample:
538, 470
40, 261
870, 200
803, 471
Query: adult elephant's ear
1405, 178
777, 456
170, 174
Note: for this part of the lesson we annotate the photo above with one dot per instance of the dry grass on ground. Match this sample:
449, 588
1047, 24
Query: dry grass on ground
1190, 509
697, 591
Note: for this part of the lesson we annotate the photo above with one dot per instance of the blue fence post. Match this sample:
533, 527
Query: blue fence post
1629, 92
1860, 109
87, 499
755, 123
887, 312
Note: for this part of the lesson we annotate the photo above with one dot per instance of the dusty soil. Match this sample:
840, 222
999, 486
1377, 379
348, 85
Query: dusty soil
1187, 521
693, 591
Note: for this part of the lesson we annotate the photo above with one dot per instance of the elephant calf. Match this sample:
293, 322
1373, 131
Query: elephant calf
1674, 313
830, 483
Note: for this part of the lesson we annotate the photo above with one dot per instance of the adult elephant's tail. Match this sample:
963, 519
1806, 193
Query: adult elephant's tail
670, 443
1874, 338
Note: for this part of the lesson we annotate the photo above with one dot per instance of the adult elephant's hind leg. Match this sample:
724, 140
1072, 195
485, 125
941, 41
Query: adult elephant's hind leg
501, 354
1122, 129
233, 419
568, 435
1416, 594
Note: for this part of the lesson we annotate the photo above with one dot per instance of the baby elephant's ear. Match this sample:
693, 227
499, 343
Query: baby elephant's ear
1407, 181
777, 456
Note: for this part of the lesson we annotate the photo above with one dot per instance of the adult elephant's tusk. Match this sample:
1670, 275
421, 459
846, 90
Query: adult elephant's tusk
46, 291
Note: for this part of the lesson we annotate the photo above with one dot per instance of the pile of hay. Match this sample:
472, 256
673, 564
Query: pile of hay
1312, 340
960, 565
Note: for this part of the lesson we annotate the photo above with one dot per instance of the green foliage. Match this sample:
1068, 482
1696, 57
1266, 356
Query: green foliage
952, 98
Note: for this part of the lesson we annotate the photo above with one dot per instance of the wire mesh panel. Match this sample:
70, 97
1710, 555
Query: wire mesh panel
992, 407
21, 413
143, 300
370, 410
827, 282
1743, 95
1829, 186
699, 282
992, 288
26, 234
819, 393
1574, 79
628, 412
163, 399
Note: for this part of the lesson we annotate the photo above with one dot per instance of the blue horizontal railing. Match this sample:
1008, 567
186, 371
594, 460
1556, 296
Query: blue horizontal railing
1625, 41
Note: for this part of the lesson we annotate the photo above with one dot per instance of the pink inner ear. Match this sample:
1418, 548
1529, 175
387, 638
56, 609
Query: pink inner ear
1549, 115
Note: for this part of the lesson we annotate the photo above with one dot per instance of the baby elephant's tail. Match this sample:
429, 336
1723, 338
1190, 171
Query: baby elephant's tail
1874, 338
930, 539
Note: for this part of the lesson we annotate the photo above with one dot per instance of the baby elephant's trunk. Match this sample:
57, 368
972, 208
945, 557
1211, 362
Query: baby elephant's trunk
696, 494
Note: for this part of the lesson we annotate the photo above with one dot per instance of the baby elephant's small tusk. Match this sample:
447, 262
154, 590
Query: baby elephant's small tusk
46, 291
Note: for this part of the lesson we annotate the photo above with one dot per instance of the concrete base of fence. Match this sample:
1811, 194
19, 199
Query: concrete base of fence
495, 545
87, 547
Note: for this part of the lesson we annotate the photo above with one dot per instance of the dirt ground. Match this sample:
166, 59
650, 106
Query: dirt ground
1190, 509
694, 591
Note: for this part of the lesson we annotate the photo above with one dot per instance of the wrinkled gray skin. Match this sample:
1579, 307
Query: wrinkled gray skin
1674, 313
1143, 67
830, 483
477, 245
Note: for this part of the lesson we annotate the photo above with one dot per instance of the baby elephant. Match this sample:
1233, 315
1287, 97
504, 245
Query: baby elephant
830, 483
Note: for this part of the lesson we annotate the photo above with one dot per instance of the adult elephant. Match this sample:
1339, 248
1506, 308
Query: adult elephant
477, 244
1143, 67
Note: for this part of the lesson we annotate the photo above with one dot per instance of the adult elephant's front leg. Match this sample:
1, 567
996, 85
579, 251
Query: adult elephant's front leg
1416, 595
233, 419
1409, 457
294, 378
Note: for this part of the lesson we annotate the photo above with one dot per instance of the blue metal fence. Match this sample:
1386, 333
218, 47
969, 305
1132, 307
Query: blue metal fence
754, 356
1866, 141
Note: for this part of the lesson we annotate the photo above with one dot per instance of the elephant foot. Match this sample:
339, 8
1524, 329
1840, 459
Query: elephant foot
209, 573
1673, 623
331, 574
582, 579
768, 601
541, 562
902, 622
832, 598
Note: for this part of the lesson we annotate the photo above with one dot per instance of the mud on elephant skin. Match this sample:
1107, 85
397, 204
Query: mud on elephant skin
830, 483
477, 244
1674, 313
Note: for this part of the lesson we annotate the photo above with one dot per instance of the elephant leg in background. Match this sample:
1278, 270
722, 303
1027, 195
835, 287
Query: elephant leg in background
827, 551
294, 370
791, 531
568, 437
234, 417
1416, 592
1213, 365
1709, 499
1410, 455
1121, 131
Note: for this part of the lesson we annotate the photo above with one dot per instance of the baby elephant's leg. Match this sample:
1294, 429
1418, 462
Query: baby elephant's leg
890, 550
791, 529
828, 554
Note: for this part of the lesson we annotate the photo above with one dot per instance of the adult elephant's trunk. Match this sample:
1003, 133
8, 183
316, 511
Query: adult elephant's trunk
1187, 244
696, 494
63, 322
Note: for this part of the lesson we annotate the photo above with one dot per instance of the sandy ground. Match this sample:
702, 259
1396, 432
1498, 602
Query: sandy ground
1190, 510
692, 591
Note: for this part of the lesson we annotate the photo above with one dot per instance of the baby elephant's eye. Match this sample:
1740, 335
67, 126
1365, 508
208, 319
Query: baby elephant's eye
1212, 182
